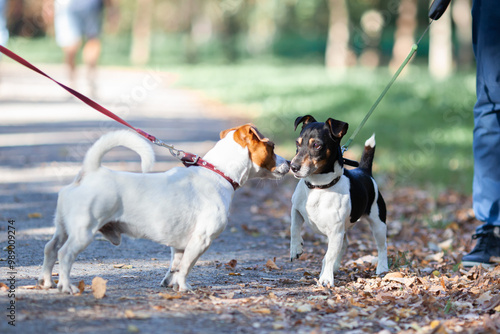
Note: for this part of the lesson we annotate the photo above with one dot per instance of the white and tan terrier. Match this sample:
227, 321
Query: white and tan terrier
184, 208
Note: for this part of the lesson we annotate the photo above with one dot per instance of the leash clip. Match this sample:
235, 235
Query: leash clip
192, 161
179, 154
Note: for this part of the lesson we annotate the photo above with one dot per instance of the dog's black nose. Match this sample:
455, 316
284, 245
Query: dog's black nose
295, 168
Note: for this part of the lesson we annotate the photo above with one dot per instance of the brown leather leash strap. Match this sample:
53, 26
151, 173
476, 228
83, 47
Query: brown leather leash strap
188, 159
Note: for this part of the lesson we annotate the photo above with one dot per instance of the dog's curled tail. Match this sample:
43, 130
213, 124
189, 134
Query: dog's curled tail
366, 162
124, 138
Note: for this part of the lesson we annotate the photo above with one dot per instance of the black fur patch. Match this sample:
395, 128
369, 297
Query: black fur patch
362, 192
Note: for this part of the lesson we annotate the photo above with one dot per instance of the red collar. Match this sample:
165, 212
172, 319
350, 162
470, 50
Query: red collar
190, 159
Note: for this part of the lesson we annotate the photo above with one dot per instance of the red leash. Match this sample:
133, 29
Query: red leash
188, 159
81, 97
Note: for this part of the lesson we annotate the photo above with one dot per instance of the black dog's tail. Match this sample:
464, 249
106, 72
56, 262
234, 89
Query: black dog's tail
367, 156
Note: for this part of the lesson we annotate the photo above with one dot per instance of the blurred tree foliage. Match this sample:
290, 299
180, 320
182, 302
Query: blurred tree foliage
236, 29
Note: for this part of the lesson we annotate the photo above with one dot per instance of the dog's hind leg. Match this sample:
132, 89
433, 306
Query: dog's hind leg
379, 230
79, 238
50, 256
176, 257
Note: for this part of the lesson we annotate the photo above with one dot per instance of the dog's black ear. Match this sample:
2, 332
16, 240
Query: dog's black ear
304, 119
337, 128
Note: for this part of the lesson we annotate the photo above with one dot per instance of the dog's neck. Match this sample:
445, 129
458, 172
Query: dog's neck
232, 159
325, 178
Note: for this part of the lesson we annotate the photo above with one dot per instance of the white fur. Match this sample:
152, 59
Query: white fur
184, 208
370, 142
327, 211
94, 155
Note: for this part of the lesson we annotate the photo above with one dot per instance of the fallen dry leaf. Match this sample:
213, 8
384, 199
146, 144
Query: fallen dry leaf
278, 326
445, 245
435, 257
303, 308
98, 287
270, 264
123, 266
261, 310
81, 287
169, 296
391, 276
355, 303
231, 264
495, 259
129, 314
434, 324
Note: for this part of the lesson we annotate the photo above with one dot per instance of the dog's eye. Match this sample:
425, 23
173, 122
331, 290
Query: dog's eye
317, 146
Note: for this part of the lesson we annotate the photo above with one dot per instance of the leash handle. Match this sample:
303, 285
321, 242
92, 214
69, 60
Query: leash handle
438, 7
78, 95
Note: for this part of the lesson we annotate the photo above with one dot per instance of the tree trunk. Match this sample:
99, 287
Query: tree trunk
440, 53
405, 28
141, 32
463, 22
337, 48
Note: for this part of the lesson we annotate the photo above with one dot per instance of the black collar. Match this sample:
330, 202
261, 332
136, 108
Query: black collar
323, 186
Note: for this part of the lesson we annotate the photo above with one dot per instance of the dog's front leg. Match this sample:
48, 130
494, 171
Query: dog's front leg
296, 241
175, 259
332, 256
195, 248
336, 264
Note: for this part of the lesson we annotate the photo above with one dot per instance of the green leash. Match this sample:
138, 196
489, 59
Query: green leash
394, 77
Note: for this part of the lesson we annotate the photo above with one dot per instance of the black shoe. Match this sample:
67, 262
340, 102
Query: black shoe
488, 245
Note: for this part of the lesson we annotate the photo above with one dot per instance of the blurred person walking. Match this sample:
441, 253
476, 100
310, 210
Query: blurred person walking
486, 138
79, 23
4, 33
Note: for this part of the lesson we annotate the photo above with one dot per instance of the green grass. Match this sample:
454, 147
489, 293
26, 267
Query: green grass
423, 126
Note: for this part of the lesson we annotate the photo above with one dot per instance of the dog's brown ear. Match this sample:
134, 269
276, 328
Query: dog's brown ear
245, 134
257, 133
223, 133
337, 128
304, 119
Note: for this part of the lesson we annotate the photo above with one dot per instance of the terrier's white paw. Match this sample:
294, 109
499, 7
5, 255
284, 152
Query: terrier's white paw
325, 281
67, 288
46, 284
167, 280
296, 249
382, 268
